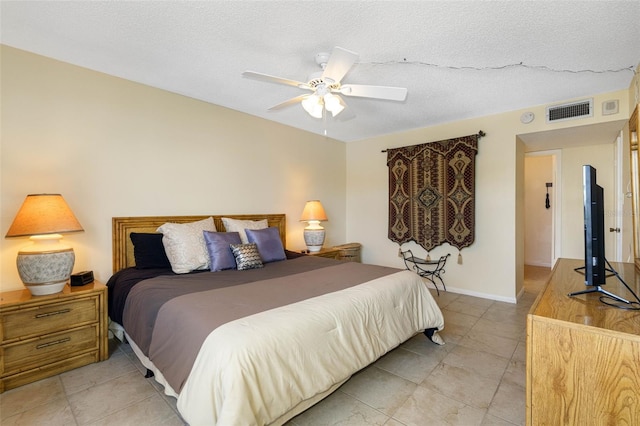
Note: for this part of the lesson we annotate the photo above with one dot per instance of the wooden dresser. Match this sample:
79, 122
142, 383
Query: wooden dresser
41, 336
583, 357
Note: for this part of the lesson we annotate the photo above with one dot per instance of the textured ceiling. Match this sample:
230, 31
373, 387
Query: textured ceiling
455, 58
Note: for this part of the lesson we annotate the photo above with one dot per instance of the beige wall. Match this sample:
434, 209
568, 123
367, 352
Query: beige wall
492, 266
538, 171
116, 148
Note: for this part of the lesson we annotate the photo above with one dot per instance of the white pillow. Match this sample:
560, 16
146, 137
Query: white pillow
185, 246
236, 225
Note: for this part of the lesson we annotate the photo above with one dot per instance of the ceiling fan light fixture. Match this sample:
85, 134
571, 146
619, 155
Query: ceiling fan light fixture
332, 104
309, 102
313, 105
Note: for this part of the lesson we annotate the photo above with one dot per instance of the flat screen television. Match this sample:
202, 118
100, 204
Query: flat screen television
596, 267
593, 202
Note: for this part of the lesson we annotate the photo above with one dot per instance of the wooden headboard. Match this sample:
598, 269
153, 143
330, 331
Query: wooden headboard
122, 227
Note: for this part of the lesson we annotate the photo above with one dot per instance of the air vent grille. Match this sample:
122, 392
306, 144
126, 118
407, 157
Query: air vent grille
570, 111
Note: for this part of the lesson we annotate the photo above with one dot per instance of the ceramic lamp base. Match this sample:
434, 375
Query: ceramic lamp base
314, 239
45, 272
44, 289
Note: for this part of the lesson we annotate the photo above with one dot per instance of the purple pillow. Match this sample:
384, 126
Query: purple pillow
219, 248
268, 242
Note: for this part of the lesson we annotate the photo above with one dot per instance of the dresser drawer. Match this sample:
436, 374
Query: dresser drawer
36, 352
25, 323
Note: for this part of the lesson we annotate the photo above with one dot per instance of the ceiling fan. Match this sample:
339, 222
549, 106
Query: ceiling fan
326, 86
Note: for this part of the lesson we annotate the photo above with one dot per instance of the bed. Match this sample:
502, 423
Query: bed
260, 345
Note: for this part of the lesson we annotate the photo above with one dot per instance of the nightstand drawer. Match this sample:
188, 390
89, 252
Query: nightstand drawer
26, 355
39, 373
25, 323
329, 253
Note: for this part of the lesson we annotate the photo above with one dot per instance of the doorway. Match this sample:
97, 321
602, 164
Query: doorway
541, 212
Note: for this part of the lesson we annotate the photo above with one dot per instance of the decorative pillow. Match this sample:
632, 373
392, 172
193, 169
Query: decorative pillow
218, 245
184, 244
148, 251
237, 225
268, 242
247, 256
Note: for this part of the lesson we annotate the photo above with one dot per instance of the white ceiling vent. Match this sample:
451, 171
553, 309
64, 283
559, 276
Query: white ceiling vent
570, 111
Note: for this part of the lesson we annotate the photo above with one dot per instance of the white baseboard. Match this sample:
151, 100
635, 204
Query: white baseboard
543, 264
481, 295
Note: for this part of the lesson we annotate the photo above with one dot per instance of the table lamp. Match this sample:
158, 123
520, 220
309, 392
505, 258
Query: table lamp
44, 265
314, 233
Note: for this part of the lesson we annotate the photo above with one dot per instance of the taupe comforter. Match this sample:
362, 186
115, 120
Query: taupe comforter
237, 346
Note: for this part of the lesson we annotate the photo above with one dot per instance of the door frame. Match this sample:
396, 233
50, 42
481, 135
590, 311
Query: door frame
618, 198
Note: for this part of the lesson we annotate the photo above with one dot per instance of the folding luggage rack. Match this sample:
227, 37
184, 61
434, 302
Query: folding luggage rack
429, 269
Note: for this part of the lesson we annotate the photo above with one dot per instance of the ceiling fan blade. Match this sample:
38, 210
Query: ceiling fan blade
289, 102
378, 92
340, 62
272, 79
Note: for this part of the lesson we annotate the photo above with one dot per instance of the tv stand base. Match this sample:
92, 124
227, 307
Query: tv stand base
599, 289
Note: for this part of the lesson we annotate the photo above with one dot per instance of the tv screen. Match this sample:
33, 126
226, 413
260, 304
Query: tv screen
596, 266
593, 199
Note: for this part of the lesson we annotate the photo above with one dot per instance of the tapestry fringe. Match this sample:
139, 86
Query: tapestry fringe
459, 258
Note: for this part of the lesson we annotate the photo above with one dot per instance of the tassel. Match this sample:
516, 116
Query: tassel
428, 258
459, 258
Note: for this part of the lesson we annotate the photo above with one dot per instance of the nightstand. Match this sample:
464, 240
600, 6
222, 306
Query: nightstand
41, 336
349, 252
329, 252
346, 252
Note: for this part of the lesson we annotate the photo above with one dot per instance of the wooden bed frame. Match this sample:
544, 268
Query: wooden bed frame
122, 227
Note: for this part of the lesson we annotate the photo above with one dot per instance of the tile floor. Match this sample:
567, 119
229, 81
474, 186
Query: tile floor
476, 378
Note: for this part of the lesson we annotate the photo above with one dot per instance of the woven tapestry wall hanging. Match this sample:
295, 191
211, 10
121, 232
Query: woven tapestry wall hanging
432, 192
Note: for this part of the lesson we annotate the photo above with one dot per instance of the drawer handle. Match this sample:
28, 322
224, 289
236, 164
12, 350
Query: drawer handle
49, 314
55, 342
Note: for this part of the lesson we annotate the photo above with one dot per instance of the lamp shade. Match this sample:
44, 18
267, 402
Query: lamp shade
43, 214
44, 266
313, 210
